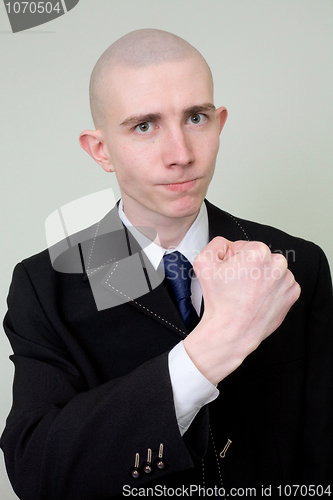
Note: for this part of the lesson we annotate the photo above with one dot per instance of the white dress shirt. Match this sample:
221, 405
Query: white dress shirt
191, 390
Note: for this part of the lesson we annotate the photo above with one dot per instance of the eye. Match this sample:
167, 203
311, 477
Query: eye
197, 118
144, 127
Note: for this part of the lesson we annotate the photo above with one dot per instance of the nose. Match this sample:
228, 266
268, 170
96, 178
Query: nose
178, 150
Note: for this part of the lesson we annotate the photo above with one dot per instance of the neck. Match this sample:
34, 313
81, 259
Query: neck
170, 230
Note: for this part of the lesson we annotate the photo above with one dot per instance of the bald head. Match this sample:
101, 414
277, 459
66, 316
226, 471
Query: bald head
137, 49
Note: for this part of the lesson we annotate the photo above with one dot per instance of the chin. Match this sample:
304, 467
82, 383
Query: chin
185, 207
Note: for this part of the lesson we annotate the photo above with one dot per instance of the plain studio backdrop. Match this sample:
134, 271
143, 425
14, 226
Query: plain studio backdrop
272, 66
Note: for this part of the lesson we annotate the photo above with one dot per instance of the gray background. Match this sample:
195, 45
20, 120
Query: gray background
272, 62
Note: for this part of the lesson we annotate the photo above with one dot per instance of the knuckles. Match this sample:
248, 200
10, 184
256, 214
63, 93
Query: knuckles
223, 261
221, 250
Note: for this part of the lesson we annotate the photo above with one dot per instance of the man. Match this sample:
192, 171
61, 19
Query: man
122, 383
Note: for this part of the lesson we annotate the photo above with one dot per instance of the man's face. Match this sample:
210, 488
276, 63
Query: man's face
162, 138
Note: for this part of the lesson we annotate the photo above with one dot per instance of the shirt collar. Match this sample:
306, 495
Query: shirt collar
191, 245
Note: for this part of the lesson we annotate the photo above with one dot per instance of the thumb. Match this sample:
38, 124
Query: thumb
234, 248
216, 250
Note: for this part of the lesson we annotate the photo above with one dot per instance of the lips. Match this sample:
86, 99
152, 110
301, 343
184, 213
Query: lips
180, 186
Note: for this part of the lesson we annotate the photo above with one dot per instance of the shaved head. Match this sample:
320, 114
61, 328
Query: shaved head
137, 49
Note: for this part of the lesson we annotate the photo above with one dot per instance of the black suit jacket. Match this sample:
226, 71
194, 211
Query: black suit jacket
91, 336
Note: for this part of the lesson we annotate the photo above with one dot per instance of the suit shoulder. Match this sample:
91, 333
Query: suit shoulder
275, 237
256, 231
304, 257
62, 256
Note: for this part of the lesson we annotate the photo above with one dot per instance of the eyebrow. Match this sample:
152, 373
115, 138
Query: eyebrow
199, 108
137, 119
153, 117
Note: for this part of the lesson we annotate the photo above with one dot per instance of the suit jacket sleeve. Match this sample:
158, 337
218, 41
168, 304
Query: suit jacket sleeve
69, 438
318, 412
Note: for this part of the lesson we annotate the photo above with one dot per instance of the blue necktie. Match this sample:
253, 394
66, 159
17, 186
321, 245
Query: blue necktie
178, 273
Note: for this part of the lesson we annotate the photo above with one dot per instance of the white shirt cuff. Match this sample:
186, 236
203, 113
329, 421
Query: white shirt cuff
191, 390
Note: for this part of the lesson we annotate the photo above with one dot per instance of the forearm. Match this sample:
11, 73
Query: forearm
85, 448
191, 390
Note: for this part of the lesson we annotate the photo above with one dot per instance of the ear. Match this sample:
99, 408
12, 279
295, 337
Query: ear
92, 141
221, 117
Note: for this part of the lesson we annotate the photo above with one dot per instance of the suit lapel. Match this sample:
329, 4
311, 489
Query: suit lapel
119, 271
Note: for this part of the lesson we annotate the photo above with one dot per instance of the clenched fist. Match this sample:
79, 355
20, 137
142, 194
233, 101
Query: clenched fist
247, 292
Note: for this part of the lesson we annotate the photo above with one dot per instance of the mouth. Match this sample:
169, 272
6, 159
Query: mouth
180, 186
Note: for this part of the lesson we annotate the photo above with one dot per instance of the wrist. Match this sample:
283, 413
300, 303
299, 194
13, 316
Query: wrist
212, 355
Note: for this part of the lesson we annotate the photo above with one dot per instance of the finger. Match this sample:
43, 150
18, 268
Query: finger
235, 248
215, 250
